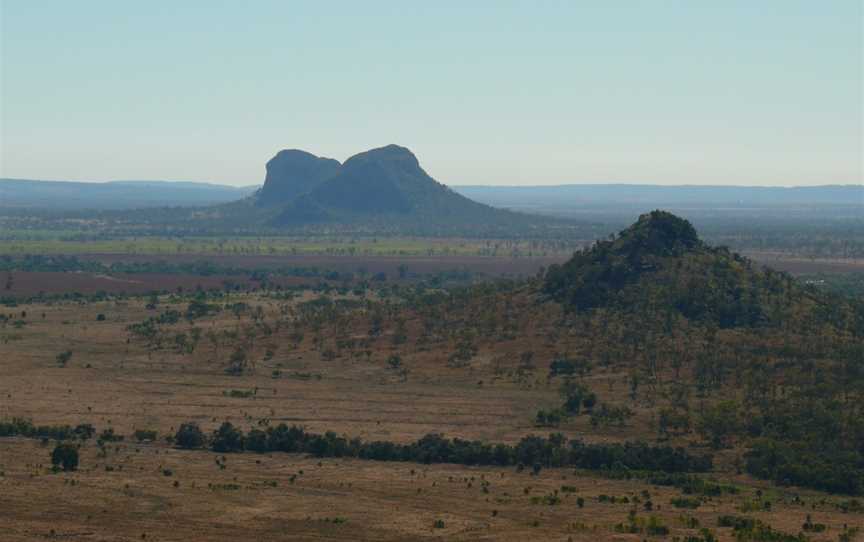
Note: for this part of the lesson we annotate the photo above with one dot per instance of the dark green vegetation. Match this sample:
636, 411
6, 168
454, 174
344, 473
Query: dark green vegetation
201, 268
661, 261
18, 427
532, 451
65, 456
798, 354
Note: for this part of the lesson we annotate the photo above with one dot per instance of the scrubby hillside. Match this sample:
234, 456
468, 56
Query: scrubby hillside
787, 376
655, 335
660, 262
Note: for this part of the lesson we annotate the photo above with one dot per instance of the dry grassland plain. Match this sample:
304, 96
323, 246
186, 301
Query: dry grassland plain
131, 490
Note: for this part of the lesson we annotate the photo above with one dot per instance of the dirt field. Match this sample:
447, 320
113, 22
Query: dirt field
153, 491
127, 496
31, 283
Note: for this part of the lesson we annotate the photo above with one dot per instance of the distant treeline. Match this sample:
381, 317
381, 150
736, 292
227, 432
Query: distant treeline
19, 427
203, 268
206, 268
535, 452
532, 451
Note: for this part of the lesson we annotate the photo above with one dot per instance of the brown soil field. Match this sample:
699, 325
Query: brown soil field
153, 491
30, 283
127, 496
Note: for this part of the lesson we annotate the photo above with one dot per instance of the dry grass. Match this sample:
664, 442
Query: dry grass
125, 494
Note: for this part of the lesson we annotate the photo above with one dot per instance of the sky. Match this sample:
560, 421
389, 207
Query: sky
484, 92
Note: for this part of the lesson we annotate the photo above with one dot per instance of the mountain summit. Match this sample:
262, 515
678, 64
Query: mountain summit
659, 233
660, 264
294, 172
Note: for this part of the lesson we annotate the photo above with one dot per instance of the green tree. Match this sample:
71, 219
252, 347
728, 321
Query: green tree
65, 456
189, 436
719, 422
227, 439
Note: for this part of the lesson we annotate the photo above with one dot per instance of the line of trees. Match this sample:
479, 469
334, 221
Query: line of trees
20, 427
532, 451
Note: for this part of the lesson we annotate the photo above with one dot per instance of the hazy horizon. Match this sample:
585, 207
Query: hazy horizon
241, 185
489, 93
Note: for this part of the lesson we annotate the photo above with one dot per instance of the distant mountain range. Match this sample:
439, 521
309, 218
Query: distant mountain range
565, 199
386, 187
114, 195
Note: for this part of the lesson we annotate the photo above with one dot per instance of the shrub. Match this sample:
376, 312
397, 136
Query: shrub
65, 456
63, 358
227, 439
145, 434
108, 435
189, 436
684, 502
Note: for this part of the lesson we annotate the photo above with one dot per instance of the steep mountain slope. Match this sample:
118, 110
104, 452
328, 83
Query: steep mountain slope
292, 173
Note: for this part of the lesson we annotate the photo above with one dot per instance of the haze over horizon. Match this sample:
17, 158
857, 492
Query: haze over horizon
503, 94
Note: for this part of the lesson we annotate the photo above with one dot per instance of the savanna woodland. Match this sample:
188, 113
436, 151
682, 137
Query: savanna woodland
651, 385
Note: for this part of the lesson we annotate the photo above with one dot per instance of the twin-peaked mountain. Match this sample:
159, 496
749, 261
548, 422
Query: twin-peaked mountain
384, 185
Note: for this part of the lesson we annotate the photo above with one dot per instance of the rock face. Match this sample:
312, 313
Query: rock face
292, 173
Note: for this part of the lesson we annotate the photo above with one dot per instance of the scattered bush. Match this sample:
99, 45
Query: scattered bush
65, 456
142, 435
189, 436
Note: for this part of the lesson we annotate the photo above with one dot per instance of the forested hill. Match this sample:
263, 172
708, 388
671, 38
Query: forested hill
777, 366
660, 261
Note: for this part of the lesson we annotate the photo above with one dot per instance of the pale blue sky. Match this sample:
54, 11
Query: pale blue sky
542, 92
